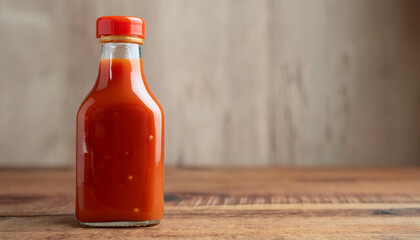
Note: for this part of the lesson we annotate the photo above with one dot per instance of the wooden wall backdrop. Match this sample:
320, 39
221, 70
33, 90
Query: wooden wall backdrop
241, 82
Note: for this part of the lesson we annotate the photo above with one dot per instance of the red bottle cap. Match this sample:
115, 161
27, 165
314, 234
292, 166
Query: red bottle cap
120, 25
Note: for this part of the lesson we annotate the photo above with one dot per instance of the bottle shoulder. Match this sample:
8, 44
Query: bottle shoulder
110, 100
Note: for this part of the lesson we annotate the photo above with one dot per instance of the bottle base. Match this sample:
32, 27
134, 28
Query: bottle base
120, 223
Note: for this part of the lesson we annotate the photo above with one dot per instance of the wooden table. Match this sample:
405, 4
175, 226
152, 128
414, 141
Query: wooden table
262, 203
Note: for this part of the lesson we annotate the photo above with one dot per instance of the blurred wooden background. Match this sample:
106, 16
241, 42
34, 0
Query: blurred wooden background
241, 82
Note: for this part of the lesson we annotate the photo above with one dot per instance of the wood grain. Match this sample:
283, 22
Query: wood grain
241, 82
276, 203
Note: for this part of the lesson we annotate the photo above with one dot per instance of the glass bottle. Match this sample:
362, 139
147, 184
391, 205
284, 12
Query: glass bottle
119, 179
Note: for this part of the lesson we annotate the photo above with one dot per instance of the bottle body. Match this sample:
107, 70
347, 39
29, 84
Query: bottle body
120, 138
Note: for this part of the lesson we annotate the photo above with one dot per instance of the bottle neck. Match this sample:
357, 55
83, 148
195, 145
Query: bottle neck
120, 50
120, 66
